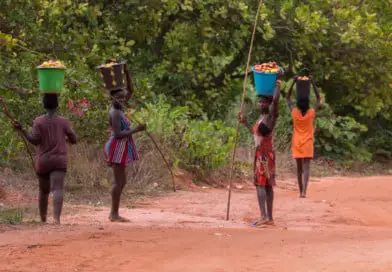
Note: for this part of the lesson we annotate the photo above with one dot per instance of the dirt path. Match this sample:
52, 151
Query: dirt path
344, 225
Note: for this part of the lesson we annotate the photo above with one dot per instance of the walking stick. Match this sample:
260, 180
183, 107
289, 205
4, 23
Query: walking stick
9, 115
161, 153
241, 110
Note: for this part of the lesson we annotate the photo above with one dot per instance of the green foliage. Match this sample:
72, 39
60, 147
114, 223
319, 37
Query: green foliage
11, 216
208, 144
194, 53
199, 145
195, 61
338, 137
378, 140
8, 142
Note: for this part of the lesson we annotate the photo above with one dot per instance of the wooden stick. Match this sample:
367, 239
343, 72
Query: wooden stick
160, 152
241, 110
9, 115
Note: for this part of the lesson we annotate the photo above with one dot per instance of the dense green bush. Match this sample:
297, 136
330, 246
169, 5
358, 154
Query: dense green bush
194, 144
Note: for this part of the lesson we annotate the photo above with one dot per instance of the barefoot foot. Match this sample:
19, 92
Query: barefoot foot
270, 223
259, 223
117, 218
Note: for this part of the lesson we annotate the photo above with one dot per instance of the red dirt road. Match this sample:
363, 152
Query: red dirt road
344, 225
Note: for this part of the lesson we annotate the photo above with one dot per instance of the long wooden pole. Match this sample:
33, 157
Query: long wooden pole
241, 109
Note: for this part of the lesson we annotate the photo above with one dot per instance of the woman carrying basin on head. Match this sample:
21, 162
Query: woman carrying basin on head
120, 149
264, 160
303, 130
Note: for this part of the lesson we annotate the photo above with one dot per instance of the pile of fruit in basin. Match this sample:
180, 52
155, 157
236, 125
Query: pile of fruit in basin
109, 64
268, 68
303, 78
52, 64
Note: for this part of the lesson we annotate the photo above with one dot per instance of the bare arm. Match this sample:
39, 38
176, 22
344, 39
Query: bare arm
34, 137
248, 126
288, 97
316, 92
129, 84
275, 101
70, 133
242, 120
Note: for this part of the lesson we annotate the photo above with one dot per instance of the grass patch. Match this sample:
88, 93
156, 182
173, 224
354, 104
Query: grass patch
11, 216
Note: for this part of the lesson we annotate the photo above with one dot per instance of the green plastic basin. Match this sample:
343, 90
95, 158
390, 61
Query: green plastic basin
51, 80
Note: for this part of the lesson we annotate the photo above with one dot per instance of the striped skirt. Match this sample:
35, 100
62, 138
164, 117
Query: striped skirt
120, 151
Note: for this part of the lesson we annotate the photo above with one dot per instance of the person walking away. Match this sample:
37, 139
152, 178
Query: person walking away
303, 135
49, 134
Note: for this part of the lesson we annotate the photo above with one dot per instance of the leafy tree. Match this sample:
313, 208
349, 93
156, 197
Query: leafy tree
194, 51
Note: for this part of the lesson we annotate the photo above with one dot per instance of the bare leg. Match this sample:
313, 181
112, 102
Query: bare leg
306, 176
44, 190
299, 175
124, 181
57, 181
262, 198
270, 201
117, 188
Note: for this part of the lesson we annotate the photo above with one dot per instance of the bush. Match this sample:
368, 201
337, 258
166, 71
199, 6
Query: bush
11, 216
207, 144
378, 141
199, 145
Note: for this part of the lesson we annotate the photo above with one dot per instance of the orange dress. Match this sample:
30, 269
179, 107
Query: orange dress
303, 131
